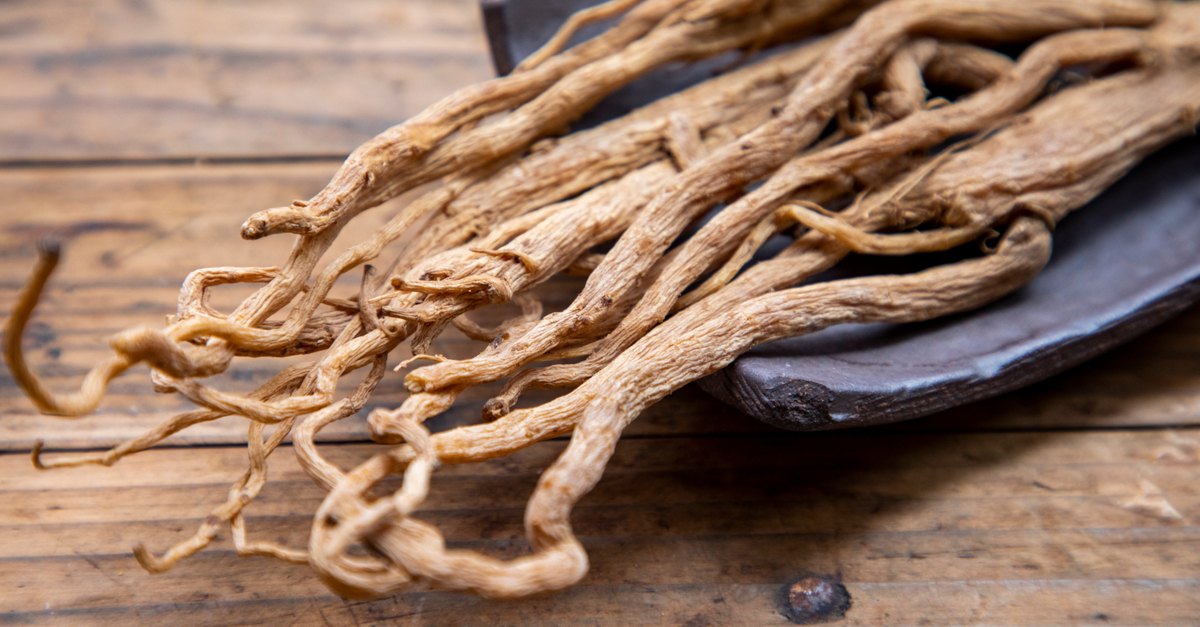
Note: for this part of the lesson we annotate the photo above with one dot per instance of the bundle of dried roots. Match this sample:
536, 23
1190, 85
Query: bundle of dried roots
834, 142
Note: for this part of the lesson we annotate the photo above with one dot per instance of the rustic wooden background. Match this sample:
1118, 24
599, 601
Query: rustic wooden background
143, 132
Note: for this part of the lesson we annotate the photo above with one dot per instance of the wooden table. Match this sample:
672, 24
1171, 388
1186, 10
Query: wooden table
142, 133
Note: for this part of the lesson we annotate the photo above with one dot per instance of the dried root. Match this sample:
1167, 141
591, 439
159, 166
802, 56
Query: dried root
835, 143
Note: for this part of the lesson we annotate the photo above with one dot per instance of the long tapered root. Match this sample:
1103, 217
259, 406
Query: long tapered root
700, 222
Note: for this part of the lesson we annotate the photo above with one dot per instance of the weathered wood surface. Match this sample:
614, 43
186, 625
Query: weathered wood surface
163, 78
1025, 528
1071, 502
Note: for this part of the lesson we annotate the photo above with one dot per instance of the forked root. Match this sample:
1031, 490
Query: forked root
614, 397
836, 144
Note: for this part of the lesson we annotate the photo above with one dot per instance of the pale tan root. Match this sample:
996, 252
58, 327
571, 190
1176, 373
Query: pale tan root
516, 206
558, 559
873, 37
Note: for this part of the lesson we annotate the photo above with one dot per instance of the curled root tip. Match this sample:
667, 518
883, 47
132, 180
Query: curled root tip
50, 249
148, 561
46, 402
35, 455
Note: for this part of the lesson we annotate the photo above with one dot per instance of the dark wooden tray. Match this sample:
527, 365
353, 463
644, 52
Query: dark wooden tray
1126, 262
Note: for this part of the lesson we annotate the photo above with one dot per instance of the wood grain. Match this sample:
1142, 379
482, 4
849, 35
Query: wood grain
1072, 502
678, 523
158, 78
1131, 603
131, 234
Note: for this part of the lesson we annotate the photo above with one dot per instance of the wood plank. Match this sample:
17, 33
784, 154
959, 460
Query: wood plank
1107, 497
97, 581
153, 225
112, 521
829, 485
133, 233
1009, 521
920, 462
158, 78
1043, 523
1129, 388
999, 603
145, 227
